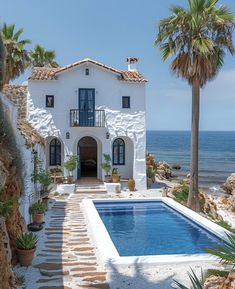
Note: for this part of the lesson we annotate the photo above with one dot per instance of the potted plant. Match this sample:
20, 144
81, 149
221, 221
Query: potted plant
70, 166
37, 211
106, 166
115, 175
131, 184
26, 246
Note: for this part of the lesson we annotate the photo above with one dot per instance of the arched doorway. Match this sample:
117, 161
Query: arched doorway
87, 155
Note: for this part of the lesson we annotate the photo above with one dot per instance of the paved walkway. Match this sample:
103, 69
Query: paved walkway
65, 257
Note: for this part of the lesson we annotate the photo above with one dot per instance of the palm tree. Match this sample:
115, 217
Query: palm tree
196, 38
41, 57
16, 55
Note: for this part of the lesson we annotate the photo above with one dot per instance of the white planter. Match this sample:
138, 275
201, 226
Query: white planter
65, 188
113, 187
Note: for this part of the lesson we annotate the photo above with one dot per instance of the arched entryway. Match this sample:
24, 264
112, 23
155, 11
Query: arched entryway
87, 155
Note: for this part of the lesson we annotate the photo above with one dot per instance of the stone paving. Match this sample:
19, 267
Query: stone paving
65, 256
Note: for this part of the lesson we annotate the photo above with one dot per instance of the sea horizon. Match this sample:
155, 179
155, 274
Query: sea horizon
216, 154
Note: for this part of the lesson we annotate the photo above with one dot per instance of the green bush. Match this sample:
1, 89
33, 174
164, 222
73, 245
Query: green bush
71, 163
106, 166
181, 195
26, 241
37, 208
150, 173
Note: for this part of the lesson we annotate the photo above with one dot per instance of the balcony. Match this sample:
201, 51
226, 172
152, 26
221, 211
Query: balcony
87, 118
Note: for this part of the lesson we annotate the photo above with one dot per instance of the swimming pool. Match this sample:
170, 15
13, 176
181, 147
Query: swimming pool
152, 231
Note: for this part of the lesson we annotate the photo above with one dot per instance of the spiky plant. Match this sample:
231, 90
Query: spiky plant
26, 241
196, 283
226, 251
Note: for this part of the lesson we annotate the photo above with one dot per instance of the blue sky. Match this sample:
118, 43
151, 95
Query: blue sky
109, 31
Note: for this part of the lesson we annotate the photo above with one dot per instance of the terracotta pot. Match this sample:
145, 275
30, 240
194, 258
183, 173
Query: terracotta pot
115, 178
38, 218
131, 185
25, 256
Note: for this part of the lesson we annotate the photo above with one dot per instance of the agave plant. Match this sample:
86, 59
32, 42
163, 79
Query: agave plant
196, 283
26, 241
226, 251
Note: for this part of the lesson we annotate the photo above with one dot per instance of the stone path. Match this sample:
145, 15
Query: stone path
65, 257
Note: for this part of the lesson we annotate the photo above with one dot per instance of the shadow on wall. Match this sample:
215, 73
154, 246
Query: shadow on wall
137, 279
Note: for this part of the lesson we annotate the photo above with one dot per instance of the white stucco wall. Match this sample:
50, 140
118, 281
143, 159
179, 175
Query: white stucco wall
126, 123
28, 195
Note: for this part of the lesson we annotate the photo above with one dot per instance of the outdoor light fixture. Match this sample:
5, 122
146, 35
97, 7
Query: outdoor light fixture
67, 135
107, 135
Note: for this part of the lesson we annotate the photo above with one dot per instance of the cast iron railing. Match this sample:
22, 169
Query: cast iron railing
88, 118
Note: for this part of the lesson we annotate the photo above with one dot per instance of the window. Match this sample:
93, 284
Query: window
126, 102
55, 152
119, 152
49, 100
87, 72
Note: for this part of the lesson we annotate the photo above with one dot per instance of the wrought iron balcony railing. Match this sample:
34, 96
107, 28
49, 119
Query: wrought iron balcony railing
87, 118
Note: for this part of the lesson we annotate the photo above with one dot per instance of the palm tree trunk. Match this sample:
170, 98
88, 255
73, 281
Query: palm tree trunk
193, 198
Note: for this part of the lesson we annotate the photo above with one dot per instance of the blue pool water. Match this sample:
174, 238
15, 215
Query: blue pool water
152, 228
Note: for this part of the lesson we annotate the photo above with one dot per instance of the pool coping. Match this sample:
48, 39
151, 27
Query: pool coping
109, 254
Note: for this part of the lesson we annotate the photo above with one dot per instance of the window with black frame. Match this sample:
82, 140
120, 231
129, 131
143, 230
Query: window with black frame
126, 102
119, 152
49, 100
55, 152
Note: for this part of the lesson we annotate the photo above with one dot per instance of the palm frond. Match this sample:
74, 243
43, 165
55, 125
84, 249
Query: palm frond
196, 283
226, 251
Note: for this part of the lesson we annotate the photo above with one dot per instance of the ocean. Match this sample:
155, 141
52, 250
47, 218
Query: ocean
216, 154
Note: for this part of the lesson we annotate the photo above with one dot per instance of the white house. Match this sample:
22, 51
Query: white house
88, 109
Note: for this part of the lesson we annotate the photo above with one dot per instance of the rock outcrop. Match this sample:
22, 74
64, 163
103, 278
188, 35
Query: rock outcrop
229, 185
217, 282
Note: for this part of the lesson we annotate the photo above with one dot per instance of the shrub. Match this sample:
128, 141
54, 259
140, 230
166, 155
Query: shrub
181, 195
106, 166
37, 208
26, 241
71, 163
150, 173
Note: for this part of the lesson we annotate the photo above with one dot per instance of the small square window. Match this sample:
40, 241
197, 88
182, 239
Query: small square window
126, 102
49, 100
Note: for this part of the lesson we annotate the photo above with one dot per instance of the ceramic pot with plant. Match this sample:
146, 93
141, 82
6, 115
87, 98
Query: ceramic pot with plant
70, 166
131, 184
26, 246
115, 175
37, 211
106, 166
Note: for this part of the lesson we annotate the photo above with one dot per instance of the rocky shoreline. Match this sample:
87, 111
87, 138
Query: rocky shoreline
216, 206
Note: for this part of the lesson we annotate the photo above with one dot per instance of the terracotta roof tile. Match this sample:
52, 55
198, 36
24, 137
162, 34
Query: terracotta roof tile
45, 73
134, 76
18, 95
29, 133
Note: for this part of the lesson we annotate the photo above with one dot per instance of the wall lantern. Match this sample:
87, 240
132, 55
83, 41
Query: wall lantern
107, 135
67, 135
34, 152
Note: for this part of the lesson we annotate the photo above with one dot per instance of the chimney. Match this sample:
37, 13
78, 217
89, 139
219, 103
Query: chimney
132, 63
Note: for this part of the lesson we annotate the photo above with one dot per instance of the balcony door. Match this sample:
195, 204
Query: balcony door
86, 107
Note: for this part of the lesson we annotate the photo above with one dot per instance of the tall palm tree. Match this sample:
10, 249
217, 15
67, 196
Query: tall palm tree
196, 38
41, 57
16, 56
